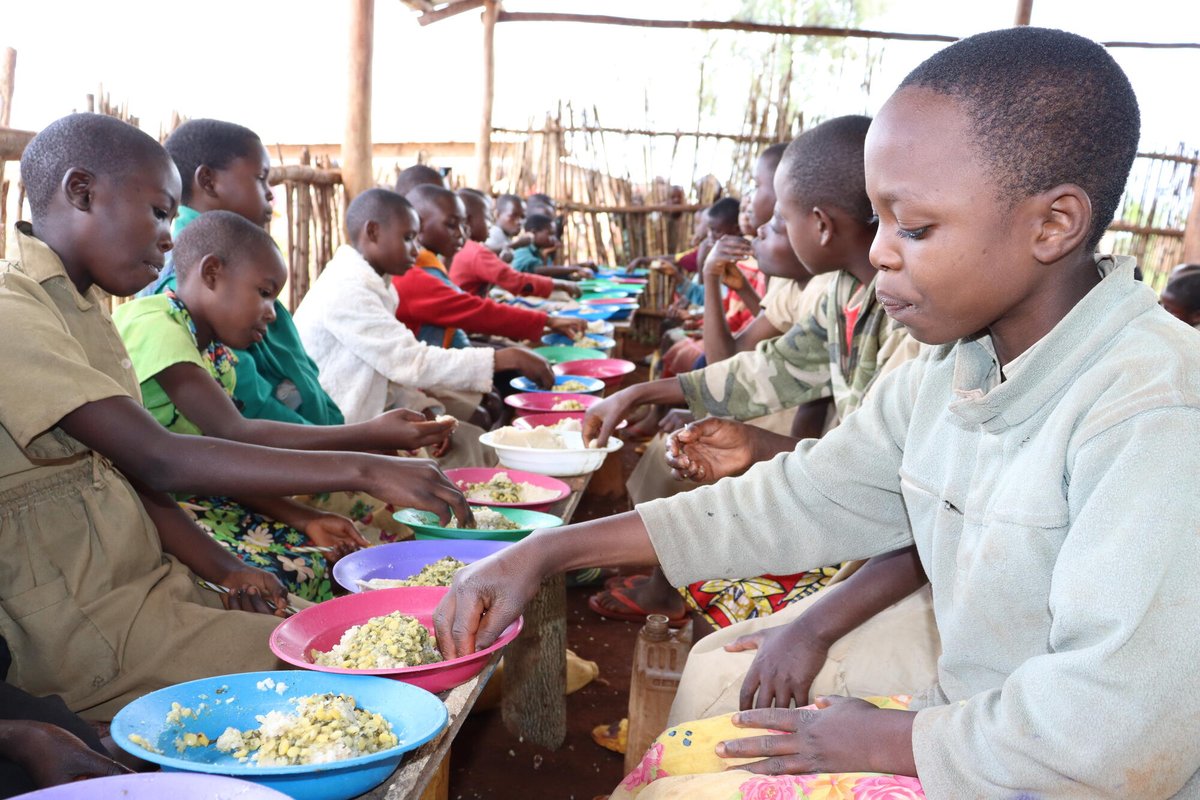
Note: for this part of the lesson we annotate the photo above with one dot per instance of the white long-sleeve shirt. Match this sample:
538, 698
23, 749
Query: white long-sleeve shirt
1055, 513
367, 358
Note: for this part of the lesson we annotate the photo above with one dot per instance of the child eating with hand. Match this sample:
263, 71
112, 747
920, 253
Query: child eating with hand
1021, 453
369, 360
99, 601
439, 312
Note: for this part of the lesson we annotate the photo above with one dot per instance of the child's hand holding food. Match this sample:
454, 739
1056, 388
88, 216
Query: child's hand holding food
333, 530
571, 327
403, 429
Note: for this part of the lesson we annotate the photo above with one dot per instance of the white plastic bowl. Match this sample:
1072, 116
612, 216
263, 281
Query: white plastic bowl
558, 463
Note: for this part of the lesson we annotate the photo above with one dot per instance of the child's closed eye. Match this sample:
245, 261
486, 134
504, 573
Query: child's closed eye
912, 233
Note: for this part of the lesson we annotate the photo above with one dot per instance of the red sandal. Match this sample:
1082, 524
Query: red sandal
635, 613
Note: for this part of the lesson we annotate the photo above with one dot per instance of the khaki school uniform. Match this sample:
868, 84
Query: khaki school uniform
90, 606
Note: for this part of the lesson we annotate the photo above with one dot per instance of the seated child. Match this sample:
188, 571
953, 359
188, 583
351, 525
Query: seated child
1181, 295
229, 273
532, 257
819, 178
476, 268
1023, 453
738, 307
224, 166
418, 175
369, 360
504, 234
99, 602
440, 313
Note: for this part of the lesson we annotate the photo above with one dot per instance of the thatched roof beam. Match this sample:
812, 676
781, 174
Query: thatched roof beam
783, 30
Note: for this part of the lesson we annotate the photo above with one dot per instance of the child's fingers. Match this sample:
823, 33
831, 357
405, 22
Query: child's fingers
748, 642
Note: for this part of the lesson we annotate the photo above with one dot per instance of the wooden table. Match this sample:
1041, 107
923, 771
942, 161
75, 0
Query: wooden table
535, 676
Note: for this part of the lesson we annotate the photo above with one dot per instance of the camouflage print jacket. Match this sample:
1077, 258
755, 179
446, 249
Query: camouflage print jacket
808, 362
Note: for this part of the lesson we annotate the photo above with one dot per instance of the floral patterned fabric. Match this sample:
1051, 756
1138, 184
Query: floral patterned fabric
724, 602
683, 764
264, 543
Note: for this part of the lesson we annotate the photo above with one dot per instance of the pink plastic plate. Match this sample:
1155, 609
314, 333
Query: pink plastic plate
321, 626
466, 475
543, 402
610, 370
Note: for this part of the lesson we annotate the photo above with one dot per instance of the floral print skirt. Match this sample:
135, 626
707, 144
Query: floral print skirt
724, 602
682, 765
264, 543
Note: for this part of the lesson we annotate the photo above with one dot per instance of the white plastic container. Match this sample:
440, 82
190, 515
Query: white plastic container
576, 460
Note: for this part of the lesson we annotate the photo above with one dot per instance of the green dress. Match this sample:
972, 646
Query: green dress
159, 332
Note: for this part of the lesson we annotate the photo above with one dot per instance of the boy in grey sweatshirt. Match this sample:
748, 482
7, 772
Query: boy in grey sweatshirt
1025, 455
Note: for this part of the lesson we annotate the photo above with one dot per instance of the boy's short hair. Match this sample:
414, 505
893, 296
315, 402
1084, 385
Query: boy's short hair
418, 175
1184, 287
724, 212
1047, 107
774, 154
224, 234
507, 201
208, 142
426, 195
538, 222
541, 199
376, 204
474, 195
100, 144
824, 166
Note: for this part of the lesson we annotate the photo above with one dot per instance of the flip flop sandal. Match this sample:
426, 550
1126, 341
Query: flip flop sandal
635, 613
624, 581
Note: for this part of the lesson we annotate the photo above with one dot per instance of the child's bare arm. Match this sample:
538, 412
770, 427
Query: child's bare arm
201, 399
197, 551
322, 529
757, 331
790, 656
604, 417
120, 429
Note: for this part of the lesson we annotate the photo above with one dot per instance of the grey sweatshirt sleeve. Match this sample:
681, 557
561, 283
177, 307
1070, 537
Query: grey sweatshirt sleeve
1113, 709
830, 500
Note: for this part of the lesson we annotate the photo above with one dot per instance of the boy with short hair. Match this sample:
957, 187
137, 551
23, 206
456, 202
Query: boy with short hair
418, 175
439, 312
1022, 453
475, 268
504, 234
369, 360
224, 166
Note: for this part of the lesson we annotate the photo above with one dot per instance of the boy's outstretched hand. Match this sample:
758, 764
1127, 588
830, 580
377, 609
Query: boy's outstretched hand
526, 362
254, 590
52, 756
483, 599
418, 483
710, 449
842, 734
604, 417
571, 288
404, 429
571, 327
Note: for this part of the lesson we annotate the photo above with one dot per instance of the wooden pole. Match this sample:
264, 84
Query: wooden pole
8, 76
1191, 231
357, 172
483, 146
450, 10
1024, 12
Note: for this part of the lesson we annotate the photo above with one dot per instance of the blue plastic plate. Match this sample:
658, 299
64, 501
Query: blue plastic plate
234, 700
594, 385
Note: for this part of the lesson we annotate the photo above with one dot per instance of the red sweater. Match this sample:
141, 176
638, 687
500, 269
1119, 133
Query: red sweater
426, 299
475, 268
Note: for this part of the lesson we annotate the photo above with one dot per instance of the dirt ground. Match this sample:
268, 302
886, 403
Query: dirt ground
487, 762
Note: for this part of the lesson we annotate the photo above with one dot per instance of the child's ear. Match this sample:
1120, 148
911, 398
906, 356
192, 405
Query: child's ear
824, 224
210, 270
371, 231
206, 179
1063, 220
77, 185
